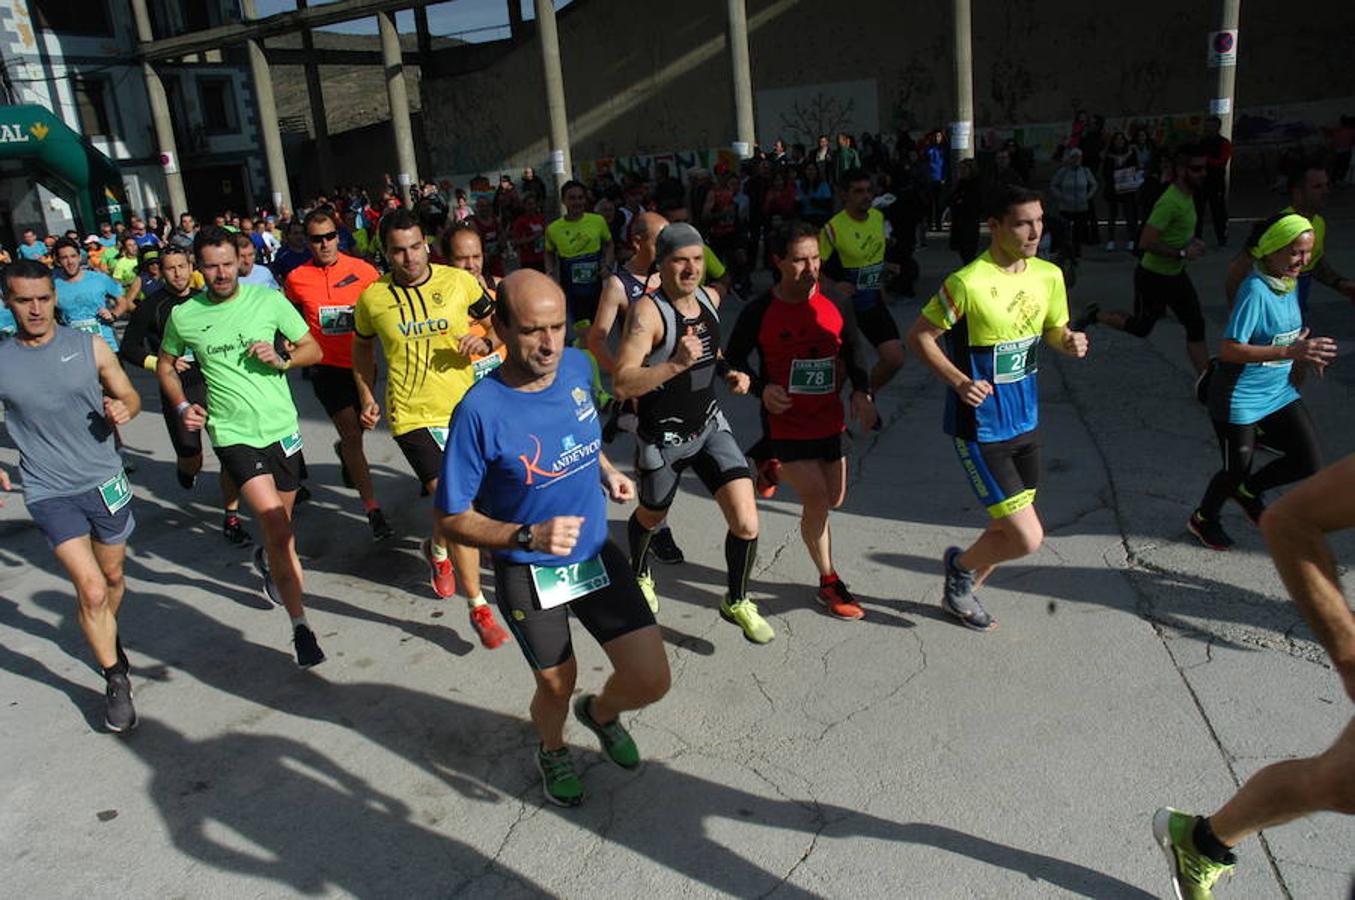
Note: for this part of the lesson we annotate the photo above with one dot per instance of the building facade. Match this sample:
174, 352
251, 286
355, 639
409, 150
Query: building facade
76, 59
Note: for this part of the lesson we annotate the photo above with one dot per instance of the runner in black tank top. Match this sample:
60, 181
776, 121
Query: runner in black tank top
668, 360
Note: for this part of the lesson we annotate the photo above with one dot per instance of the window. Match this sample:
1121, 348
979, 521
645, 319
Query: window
219, 114
90, 97
90, 18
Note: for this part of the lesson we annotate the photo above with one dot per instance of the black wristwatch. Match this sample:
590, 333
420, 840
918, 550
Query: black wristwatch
524, 537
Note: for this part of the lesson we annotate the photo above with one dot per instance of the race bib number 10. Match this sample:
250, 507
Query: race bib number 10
1013, 361
116, 492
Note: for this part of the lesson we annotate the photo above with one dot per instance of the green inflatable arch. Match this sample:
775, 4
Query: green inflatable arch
32, 132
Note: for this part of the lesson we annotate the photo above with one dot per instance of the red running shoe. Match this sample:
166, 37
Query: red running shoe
768, 477
440, 576
839, 601
482, 620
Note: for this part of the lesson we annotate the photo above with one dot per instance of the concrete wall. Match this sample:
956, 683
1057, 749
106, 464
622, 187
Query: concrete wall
644, 78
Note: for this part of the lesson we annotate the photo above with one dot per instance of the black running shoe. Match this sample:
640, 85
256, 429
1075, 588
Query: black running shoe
268, 588
1211, 534
1252, 506
121, 715
1087, 319
344, 475
234, 532
185, 480
308, 652
381, 529
664, 548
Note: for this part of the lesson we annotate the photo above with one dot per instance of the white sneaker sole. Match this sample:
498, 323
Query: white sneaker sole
1162, 834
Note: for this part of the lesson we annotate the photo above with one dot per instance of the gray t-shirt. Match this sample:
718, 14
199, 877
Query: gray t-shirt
54, 413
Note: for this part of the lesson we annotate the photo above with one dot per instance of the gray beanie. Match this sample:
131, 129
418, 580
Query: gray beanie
674, 237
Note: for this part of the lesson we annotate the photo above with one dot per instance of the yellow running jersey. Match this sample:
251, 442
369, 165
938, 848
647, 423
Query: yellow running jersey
420, 328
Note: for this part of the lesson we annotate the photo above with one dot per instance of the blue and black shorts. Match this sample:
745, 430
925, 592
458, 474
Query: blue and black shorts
1003, 474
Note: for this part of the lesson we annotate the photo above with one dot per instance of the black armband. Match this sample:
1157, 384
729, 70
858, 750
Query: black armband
482, 307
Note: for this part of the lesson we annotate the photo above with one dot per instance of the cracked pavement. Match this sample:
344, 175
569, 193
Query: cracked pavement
897, 756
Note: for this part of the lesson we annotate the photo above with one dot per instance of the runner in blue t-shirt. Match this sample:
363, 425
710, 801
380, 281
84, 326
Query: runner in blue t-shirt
83, 296
521, 477
1250, 392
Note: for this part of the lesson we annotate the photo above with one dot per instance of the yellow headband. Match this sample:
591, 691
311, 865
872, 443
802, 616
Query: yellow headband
1281, 234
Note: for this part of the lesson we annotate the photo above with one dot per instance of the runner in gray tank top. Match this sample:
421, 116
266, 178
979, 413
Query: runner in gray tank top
64, 392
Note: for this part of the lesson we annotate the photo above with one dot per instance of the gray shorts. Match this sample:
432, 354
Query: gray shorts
713, 455
62, 518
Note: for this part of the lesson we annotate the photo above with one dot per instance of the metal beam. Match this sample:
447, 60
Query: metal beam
270, 26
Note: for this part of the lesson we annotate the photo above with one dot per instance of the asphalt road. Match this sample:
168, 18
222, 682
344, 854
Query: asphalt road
898, 756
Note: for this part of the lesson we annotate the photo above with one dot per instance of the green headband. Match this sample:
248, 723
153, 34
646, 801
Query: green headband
1281, 234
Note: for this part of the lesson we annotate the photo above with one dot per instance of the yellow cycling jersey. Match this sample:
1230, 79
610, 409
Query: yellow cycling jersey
420, 328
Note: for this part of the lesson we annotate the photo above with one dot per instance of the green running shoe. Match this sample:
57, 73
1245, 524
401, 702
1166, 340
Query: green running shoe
646, 582
744, 614
559, 781
616, 740
1193, 873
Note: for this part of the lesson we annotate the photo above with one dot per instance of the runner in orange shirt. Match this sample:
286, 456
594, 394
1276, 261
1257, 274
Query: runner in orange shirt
325, 291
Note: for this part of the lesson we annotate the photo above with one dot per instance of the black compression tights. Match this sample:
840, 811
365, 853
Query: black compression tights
740, 555
1289, 430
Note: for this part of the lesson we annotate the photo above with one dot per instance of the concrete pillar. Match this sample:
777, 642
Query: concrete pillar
744, 127
393, 59
268, 119
324, 155
962, 128
164, 127
515, 28
1224, 100
561, 164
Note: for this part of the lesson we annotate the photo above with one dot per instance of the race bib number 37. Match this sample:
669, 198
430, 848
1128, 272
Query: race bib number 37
558, 585
1013, 361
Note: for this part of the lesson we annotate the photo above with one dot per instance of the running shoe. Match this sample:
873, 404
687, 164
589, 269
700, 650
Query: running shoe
269, 588
185, 480
234, 532
1211, 534
482, 620
646, 582
344, 475
440, 574
839, 601
308, 652
381, 529
1193, 873
559, 781
1251, 504
120, 715
664, 548
744, 614
616, 740
768, 477
958, 597
1087, 319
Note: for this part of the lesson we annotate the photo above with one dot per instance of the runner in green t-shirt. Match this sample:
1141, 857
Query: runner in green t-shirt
1168, 242
245, 337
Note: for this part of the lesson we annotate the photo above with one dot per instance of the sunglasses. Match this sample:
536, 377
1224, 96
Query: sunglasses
321, 238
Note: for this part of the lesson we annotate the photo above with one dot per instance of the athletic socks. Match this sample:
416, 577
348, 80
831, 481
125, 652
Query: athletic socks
439, 552
477, 600
739, 557
638, 537
299, 620
1208, 843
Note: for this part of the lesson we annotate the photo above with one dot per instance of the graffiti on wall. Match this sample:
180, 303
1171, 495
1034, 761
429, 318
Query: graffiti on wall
798, 115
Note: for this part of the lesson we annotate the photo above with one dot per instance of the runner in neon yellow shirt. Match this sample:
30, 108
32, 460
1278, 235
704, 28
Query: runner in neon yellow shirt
579, 251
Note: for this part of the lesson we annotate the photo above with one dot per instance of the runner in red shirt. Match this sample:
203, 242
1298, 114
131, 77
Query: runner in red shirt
324, 290
491, 236
528, 235
805, 343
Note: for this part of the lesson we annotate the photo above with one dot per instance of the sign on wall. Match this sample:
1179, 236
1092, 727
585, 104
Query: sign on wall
798, 115
1222, 48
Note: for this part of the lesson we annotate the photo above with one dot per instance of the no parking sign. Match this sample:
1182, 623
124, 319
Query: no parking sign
1222, 48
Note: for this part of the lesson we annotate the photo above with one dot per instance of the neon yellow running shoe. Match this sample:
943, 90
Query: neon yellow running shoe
1193, 873
744, 614
646, 582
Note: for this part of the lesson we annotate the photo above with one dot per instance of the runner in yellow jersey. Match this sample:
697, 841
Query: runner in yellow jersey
579, 251
852, 247
421, 313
